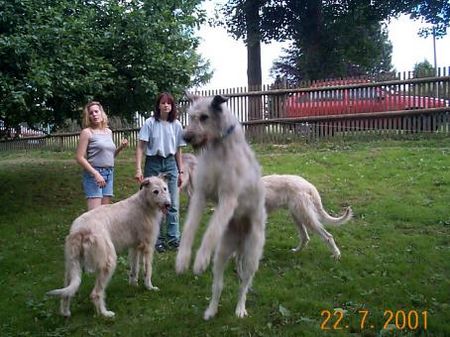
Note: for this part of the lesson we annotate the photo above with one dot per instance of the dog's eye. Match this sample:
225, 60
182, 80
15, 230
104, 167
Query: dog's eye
203, 118
156, 192
165, 189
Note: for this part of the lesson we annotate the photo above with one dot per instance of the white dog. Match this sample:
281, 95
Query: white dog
228, 173
97, 235
304, 203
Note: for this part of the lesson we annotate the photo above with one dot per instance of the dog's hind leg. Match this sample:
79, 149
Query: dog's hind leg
314, 224
303, 237
310, 216
329, 240
248, 262
134, 259
105, 271
226, 248
65, 300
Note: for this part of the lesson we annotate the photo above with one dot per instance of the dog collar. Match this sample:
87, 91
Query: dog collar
227, 132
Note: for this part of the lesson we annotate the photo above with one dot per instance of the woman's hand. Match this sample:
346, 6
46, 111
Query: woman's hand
139, 176
180, 180
99, 179
124, 143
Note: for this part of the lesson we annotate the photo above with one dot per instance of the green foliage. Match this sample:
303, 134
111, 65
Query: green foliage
424, 69
339, 51
330, 38
394, 252
54, 56
434, 12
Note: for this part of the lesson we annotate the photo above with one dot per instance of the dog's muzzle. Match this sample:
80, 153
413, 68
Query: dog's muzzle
195, 140
165, 208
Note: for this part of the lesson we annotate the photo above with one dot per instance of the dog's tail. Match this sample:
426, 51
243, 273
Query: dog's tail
327, 218
73, 252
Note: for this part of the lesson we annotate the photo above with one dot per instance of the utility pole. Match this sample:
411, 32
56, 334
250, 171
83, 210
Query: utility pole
435, 62
434, 51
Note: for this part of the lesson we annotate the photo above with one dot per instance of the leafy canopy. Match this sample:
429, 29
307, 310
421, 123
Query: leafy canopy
57, 55
330, 38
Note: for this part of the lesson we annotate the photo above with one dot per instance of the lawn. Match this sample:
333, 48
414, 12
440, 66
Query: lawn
392, 279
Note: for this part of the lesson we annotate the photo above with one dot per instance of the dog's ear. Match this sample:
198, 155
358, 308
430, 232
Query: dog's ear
217, 101
191, 97
164, 176
144, 183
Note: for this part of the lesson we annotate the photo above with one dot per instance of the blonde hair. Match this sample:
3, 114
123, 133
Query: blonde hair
86, 122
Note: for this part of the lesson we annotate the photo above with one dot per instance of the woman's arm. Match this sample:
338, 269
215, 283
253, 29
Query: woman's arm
178, 159
140, 150
80, 155
122, 145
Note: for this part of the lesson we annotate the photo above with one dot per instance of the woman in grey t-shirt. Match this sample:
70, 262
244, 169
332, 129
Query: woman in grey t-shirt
95, 153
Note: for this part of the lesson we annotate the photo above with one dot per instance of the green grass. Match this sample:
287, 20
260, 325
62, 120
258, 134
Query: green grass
395, 253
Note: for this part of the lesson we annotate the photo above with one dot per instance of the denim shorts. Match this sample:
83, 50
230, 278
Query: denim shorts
92, 190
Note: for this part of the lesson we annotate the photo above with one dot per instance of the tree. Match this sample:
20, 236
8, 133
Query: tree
305, 21
55, 56
337, 51
434, 12
424, 69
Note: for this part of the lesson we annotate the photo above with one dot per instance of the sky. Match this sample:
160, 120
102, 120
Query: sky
228, 57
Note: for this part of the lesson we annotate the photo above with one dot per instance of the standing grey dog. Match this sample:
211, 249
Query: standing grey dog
228, 173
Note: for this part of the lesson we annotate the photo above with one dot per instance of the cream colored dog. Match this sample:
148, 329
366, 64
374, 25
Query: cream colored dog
97, 235
303, 201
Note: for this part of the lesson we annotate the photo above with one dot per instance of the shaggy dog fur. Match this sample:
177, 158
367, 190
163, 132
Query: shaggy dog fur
96, 236
189, 164
227, 173
304, 203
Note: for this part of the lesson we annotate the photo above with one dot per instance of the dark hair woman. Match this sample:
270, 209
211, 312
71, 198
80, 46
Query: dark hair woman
160, 138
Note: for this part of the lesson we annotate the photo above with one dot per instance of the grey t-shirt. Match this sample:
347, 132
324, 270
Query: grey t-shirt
100, 150
163, 138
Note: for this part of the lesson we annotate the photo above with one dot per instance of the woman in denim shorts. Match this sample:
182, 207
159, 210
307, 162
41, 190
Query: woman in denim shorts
95, 153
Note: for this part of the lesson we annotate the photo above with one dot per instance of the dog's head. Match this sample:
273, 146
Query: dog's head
209, 120
156, 193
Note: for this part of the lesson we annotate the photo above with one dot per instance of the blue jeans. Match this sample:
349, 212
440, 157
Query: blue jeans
155, 165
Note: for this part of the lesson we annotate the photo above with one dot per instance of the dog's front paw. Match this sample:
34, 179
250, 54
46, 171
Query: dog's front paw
133, 281
151, 287
65, 313
201, 262
108, 314
182, 262
210, 313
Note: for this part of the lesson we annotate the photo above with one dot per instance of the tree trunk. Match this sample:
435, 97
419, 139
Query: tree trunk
314, 40
254, 77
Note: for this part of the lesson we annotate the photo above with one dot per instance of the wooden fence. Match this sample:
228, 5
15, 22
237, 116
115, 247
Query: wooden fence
356, 107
